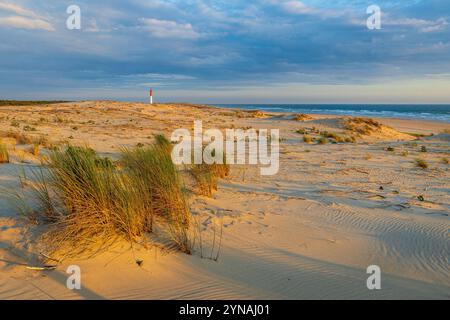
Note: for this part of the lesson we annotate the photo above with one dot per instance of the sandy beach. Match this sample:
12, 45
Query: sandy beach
308, 232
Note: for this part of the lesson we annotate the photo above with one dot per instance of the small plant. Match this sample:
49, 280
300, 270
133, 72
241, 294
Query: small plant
307, 138
206, 179
423, 149
330, 135
15, 123
28, 128
35, 149
350, 139
20, 138
405, 153
89, 203
4, 155
421, 164
323, 140
390, 149
301, 131
302, 117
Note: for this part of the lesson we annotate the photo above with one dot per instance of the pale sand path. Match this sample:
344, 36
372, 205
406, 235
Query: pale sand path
308, 232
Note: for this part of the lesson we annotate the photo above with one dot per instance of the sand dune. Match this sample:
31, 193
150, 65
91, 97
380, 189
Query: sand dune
308, 232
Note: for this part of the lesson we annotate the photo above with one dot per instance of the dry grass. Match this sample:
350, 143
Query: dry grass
4, 155
206, 180
307, 138
89, 203
421, 164
337, 138
20, 138
35, 149
208, 175
362, 126
322, 140
162, 187
302, 117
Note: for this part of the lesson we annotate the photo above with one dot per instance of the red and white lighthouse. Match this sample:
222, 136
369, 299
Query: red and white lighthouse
151, 95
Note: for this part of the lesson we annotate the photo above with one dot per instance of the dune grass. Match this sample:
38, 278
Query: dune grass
162, 188
88, 202
35, 149
26, 103
4, 155
207, 176
362, 126
307, 138
421, 164
205, 179
302, 117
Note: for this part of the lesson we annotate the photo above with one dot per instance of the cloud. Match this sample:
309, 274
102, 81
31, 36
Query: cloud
296, 7
24, 18
214, 44
421, 24
169, 29
25, 23
17, 9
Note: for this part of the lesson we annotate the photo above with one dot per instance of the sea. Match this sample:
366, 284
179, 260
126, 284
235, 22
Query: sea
403, 111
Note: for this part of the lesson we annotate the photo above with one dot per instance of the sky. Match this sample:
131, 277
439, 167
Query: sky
229, 51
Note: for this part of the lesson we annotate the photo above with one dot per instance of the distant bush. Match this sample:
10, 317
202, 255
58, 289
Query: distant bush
307, 138
421, 164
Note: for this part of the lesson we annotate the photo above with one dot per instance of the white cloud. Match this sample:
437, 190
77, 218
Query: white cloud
421, 24
17, 9
25, 23
24, 18
169, 29
296, 7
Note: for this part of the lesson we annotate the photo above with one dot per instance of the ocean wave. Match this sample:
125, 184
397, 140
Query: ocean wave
436, 113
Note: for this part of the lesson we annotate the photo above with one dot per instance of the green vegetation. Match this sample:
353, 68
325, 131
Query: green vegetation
208, 175
28, 128
15, 123
363, 126
421, 164
89, 202
26, 103
307, 138
4, 155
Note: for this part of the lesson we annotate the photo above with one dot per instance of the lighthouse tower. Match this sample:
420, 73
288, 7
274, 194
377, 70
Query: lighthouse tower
151, 95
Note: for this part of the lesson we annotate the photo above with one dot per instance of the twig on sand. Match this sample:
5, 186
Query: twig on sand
49, 258
44, 268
